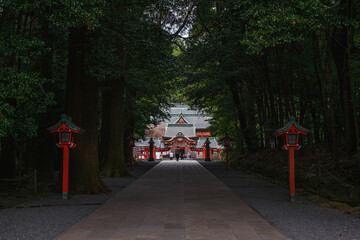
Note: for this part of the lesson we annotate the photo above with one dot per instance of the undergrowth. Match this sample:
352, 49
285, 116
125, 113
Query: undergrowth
317, 175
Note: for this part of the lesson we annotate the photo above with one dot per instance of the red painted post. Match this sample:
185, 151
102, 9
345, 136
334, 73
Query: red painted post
291, 133
131, 156
291, 174
227, 157
65, 172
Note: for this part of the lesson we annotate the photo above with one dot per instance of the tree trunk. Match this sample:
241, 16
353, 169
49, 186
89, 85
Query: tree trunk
322, 77
270, 95
251, 145
82, 105
340, 48
331, 101
105, 126
44, 158
115, 165
130, 113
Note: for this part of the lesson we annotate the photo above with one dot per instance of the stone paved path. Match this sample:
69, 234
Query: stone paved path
175, 201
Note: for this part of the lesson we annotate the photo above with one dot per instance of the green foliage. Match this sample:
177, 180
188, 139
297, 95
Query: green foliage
21, 46
263, 53
273, 23
22, 99
150, 66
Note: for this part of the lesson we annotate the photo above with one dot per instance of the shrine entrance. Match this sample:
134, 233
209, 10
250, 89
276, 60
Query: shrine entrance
184, 143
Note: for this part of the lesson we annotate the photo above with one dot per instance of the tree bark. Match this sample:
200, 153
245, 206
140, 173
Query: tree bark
44, 159
270, 94
130, 113
81, 104
115, 165
323, 76
251, 145
105, 126
340, 48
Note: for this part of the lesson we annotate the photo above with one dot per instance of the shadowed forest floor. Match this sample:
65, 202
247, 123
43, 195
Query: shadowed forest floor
317, 176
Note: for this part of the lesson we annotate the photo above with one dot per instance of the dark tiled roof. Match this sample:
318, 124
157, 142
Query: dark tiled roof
145, 143
288, 125
187, 129
67, 120
213, 143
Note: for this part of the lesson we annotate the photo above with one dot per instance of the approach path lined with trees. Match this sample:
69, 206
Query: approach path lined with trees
175, 200
49, 217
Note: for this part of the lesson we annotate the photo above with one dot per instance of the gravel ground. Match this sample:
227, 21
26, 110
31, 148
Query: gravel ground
302, 220
48, 217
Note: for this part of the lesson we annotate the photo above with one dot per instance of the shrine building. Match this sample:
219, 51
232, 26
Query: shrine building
187, 129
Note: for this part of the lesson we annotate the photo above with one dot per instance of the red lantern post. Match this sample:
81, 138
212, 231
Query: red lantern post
291, 132
131, 140
65, 128
227, 141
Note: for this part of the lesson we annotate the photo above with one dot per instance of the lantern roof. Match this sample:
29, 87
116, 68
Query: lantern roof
65, 120
294, 126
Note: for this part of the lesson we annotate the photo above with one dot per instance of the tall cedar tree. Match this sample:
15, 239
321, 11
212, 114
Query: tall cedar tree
81, 104
115, 163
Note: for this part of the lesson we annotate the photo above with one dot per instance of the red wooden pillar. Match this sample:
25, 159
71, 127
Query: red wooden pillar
291, 174
131, 156
65, 172
227, 157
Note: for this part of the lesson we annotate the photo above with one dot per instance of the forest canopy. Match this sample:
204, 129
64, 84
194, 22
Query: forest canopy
115, 66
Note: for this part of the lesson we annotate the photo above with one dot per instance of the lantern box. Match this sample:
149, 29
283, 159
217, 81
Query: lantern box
226, 140
65, 129
131, 140
292, 134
